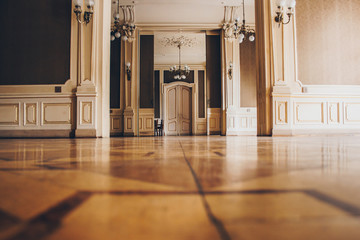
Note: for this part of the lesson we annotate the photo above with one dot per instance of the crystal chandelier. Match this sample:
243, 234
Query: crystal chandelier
177, 71
123, 29
240, 32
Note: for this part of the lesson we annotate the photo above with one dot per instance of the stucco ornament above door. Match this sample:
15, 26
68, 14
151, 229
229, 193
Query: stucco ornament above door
193, 51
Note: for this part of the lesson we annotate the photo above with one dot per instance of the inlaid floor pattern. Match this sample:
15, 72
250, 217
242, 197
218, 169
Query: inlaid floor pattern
173, 188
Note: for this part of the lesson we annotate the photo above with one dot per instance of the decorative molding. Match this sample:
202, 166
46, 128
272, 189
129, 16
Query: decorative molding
116, 122
129, 122
214, 120
9, 114
331, 89
86, 113
241, 121
30, 113
352, 112
282, 112
57, 113
334, 113
309, 112
152, 27
317, 113
146, 121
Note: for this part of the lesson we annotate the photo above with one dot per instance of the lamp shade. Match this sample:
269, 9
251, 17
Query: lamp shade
78, 3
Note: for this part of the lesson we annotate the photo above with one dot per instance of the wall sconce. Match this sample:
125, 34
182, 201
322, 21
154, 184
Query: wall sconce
230, 71
280, 12
87, 14
128, 71
126, 27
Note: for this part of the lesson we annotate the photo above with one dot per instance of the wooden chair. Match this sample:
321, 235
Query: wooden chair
158, 127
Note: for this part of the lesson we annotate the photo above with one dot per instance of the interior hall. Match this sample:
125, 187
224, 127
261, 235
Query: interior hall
179, 119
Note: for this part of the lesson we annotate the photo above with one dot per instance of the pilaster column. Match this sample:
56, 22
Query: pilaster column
281, 82
264, 66
130, 52
86, 89
230, 86
100, 65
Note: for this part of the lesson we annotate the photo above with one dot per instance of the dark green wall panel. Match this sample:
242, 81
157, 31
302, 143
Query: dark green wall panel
35, 41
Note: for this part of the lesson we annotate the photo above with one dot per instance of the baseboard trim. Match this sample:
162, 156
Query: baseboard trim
296, 132
129, 134
85, 133
36, 133
241, 133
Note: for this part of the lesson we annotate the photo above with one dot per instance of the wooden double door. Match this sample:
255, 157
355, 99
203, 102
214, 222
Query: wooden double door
178, 110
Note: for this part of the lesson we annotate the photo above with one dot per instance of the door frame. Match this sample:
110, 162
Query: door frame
165, 86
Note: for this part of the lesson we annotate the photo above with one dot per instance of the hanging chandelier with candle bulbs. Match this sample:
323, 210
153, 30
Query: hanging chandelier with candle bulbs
240, 32
179, 72
125, 28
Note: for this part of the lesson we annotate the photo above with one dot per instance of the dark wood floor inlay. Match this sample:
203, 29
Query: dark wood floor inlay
213, 219
7, 220
49, 221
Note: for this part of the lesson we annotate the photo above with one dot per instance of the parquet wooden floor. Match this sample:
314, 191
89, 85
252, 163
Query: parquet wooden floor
180, 188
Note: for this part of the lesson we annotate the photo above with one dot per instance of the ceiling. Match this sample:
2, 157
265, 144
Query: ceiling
177, 12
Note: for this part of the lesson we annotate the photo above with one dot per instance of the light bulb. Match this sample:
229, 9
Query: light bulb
242, 36
183, 77
78, 3
89, 3
251, 38
124, 38
116, 16
117, 35
291, 3
280, 3
241, 40
112, 37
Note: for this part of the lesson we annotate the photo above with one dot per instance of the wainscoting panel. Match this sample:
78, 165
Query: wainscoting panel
9, 114
352, 112
317, 110
31, 118
214, 116
146, 122
201, 127
309, 112
21, 113
116, 122
56, 113
241, 121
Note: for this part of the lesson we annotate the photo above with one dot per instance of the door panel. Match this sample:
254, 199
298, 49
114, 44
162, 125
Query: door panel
178, 110
185, 110
171, 111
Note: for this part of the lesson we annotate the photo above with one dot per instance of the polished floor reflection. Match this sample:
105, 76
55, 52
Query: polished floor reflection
180, 188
